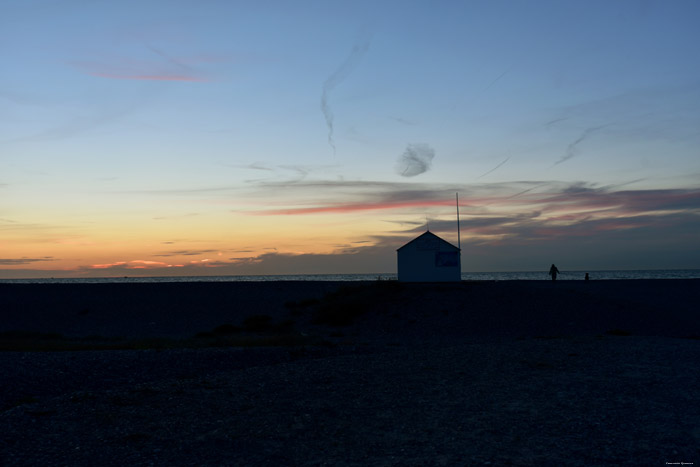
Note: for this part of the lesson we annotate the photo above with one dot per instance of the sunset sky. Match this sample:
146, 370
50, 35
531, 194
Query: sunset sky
213, 137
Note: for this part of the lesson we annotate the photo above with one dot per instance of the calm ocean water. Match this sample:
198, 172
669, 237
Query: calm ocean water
469, 276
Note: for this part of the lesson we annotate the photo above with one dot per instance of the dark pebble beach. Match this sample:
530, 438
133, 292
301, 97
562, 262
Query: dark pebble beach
472, 373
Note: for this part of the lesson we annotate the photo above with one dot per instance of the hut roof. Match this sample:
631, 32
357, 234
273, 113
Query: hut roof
428, 235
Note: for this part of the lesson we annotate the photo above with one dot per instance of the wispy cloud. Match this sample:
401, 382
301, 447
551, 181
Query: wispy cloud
77, 125
415, 160
577, 223
148, 77
483, 90
661, 112
354, 207
377, 257
156, 66
492, 215
572, 149
252, 166
520, 218
289, 173
133, 264
572, 222
495, 80
338, 76
187, 253
584, 211
136, 264
343, 196
24, 261
404, 121
494, 169
180, 216
555, 121
308, 196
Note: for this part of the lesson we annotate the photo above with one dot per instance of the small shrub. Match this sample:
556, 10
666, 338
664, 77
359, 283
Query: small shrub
137, 437
25, 400
257, 323
307, 302
284, 327
82, 396
154, 343
345, 305
617, 332
339, 313
30, 335
226, 329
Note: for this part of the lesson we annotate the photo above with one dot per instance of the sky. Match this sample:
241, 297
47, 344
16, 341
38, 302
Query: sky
212, 137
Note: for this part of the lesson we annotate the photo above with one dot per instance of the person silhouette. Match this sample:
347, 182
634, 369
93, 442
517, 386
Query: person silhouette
553, 271
587, 277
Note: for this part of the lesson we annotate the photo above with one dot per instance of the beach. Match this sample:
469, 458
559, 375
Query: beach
373, 373
417, 311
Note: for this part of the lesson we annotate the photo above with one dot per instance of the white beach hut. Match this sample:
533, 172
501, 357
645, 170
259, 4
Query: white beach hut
429, 258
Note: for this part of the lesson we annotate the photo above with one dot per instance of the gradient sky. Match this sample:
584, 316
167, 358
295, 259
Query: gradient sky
205, 137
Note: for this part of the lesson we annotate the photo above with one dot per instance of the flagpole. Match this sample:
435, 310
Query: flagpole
459, 239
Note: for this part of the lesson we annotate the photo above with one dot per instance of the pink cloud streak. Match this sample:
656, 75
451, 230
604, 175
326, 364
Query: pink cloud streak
163, 77
135, 264
354, 207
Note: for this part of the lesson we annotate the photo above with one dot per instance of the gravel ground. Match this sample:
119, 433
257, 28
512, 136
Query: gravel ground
574, 401
473, 374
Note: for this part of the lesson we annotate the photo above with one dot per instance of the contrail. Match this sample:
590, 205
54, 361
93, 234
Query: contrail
525, 191
571, 150
416, 159
168, 58
495, 80
350, 63
494, 169
486, 88
556, 120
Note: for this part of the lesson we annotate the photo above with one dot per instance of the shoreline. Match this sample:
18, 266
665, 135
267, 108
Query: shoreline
537, 275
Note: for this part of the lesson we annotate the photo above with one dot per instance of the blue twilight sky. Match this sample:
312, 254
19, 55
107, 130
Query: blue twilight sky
234, 137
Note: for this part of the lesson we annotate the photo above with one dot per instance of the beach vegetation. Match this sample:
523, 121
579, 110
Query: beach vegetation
304, 303
137, 437
345, 305
226, 335
82, 396
298, 308
40, 413
226, 329
33, 335
617, 332
257, 323
337, 312
24, 400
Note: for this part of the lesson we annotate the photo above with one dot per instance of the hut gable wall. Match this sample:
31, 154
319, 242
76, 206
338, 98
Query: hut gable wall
428, 258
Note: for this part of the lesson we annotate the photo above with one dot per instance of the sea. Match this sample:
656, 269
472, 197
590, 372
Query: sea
466, 276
